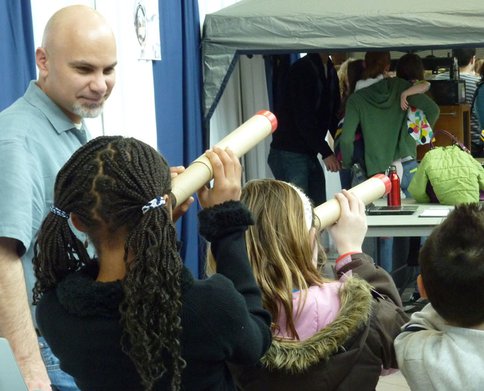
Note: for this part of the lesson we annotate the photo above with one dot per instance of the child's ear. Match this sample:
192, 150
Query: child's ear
421, 287
76, 222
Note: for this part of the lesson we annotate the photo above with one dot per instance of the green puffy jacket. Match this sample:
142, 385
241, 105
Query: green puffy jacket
456, 177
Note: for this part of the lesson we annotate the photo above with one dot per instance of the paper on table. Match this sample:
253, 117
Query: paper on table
435, 212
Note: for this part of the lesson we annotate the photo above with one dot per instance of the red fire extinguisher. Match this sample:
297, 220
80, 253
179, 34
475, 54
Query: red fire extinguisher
393, 198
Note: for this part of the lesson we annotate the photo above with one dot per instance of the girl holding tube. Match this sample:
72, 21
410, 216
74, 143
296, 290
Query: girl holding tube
133, 317
327, 333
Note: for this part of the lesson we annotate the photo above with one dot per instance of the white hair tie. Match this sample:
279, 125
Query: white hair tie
308, 208
154, 203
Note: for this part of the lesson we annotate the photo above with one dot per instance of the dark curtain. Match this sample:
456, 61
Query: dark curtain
17, 59
177, 79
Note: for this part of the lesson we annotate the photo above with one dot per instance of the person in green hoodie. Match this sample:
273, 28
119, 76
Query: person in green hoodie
383, 122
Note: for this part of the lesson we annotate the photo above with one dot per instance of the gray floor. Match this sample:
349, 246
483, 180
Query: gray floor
393, 382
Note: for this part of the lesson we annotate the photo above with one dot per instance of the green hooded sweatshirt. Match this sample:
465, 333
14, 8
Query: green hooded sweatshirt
384, 124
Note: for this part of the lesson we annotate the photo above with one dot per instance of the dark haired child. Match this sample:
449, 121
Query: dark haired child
442, 347
134, 318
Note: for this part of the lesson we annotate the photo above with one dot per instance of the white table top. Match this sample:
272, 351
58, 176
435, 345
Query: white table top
405, 225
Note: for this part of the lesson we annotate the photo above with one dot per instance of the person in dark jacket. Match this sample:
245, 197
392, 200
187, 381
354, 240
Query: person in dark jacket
134, 318
327, 334
309, 108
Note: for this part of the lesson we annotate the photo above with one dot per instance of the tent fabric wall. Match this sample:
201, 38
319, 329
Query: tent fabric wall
285, 26
17, 61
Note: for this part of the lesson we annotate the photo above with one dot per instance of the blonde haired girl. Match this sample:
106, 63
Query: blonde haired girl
327, 334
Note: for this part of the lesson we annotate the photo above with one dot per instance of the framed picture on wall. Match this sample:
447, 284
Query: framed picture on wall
147, 29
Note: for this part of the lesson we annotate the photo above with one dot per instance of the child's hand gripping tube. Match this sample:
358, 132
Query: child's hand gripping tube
368, 191
240, 141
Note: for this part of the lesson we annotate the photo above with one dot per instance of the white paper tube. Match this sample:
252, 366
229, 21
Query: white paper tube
368, 191
240, 141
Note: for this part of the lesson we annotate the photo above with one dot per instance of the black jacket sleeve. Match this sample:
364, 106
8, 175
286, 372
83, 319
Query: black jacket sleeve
224, 226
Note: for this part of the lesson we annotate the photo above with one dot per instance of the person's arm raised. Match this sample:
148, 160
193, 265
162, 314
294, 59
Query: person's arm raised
348, 234
223, 223
419, 87
15, 318
350, 229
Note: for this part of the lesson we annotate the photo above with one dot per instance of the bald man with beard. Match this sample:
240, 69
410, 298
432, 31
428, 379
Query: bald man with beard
38, 134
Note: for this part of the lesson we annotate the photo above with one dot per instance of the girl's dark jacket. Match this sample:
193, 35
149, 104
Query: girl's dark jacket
222, 317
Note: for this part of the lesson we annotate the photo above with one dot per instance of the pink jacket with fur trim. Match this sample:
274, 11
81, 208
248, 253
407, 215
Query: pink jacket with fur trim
321, 306
351, 348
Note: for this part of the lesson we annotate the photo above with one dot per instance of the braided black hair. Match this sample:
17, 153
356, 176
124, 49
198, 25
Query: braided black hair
106, 183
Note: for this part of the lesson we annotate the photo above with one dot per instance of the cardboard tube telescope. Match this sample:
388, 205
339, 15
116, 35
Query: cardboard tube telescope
368, 191
240, 140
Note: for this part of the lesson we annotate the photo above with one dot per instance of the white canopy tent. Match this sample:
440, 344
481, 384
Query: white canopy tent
283, 26
235, 87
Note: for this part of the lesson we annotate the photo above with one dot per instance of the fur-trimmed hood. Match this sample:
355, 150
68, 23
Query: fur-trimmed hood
297, 356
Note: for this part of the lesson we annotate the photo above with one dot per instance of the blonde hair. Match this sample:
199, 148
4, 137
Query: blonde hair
343, 77
279, 246
478, 67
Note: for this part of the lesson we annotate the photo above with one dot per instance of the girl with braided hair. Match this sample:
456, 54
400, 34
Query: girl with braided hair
133, 317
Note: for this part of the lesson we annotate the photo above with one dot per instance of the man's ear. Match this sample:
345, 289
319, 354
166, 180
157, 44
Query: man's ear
41, 61
76, 222
421, 287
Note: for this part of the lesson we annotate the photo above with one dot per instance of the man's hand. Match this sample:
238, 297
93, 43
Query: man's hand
35, 377
332, 164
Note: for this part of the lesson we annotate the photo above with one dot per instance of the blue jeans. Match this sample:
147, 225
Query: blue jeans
385, 255
300, 169
409, 169
60, 380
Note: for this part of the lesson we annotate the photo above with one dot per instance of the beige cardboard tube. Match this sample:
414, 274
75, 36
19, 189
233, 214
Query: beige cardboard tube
368, 191
240, 141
